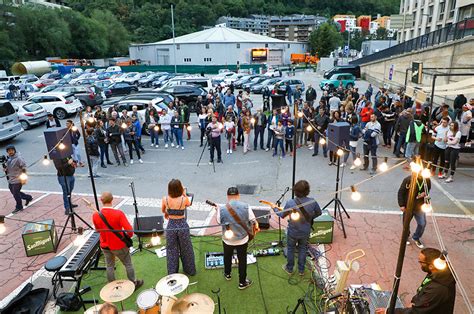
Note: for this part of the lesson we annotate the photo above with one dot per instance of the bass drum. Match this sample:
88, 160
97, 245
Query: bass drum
147, 302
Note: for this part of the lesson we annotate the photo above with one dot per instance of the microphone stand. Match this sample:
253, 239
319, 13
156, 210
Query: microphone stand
135, 205
278, 203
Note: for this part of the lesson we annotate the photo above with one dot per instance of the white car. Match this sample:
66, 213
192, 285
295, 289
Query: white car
60, 104
272, 73
232, 78
126, 77
31, 114
82, 77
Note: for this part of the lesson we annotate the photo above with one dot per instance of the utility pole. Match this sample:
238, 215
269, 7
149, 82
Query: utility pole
174, 43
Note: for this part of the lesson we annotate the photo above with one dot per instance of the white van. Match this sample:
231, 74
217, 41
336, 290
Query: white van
203, 82
114, 69
10, 125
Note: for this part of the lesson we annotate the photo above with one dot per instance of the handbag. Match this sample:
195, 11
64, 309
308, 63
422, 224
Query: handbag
251, 232
122, 236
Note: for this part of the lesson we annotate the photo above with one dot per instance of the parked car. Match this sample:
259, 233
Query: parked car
148, 80
352, 69
148, 96
126, 77
162, 80
199, 81
103, 84
30, 89
120, 88
88, 81
82, 77
232, 78
87, 95
273, 73
243, 80
347, 79
134, 79
258, 88
252, 82
60, 104
31, 114
103, 75
293, 84
187, 93
10, 125
47, 79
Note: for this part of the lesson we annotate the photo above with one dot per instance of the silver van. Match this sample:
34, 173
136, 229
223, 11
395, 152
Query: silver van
10, 125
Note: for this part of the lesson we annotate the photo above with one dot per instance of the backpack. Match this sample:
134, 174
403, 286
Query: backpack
69, 302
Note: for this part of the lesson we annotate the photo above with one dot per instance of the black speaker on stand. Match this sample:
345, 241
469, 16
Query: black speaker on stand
338, 135
278, 101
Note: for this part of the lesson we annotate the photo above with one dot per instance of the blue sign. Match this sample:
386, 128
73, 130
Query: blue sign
390, 72
346, 49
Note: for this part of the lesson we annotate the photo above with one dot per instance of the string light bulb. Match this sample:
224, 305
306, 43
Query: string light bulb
322, 141
340, 152
300, 114
156, 128
440, 263
46, 161
74, 128
2, 225
426, 207
91, 120
23, 176
426, 173
357, 161
415, 167
61, 146
309, 128
155, 239
189, 128
384, 165
252, 120
295, 215
355, 195
124, 125
228, 234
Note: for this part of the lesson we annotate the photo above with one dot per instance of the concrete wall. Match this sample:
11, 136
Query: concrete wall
220, 53
448, 55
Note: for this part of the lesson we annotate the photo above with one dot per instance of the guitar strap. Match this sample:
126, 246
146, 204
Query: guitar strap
237, 218
118, 234
303, 211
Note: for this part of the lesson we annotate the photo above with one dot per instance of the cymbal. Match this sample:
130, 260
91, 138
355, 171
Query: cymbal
166, 304
194, 303
93, 309
117, 290
172, 284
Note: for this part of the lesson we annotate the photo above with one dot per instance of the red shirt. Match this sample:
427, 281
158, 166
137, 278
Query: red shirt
366, 113
118, 221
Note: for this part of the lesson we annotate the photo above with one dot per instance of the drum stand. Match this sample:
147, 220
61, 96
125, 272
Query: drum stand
217, 293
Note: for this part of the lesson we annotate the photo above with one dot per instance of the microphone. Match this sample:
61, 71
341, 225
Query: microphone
287, 189
208, 202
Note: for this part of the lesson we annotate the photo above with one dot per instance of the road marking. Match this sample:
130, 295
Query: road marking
103, 175
38, 199
465, 169
454, 200
466, 201
150, 162
246, 162
194, 164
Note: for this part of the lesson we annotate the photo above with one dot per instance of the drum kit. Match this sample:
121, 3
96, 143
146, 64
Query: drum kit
159, 300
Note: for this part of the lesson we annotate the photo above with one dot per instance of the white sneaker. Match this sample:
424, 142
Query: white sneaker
352, 167
267, 149
343, 165
230, 150
182, 147
131, 161
152, 144
172, 144
310, 148
157, 145
166, 145
449, 179
177, 146
141, 161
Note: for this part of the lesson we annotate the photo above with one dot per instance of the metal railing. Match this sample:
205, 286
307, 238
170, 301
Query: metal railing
448, 33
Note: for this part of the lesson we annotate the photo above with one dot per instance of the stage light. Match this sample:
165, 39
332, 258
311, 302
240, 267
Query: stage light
228, 234
155, 239
61, 146
295, 215
322, 141
355, 195
80, 239
357, 161
415, 167
300, 114
189, 128
426, 172
252, 120
46, 161
384, 166
23, 176
340, 152
440, 263
124, 125
426, 207
156, 128
309, 128
74, 128
2, 225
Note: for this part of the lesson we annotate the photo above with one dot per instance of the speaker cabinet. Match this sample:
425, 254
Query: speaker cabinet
53, 136
263, 222
338, 135
148, 224
278, 101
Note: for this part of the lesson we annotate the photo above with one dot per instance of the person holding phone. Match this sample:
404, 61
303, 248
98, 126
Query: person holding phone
178, 237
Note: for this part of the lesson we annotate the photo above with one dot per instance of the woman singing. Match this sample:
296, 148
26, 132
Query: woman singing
178, 238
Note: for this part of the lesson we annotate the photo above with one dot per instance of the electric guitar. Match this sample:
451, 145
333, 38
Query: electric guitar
255, 228
271, 204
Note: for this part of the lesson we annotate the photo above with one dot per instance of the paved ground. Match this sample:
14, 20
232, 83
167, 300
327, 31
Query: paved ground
269, 175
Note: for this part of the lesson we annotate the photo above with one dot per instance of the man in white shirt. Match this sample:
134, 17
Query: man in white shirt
371, 141
334, 103
439, 136
237, 220
465, 122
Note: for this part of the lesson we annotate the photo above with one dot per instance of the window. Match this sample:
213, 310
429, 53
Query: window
266, 45
177, 46
207, 46
187, 59
289, 45
207, 59
238, 46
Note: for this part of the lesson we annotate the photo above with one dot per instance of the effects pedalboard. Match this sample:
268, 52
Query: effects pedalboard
215, 260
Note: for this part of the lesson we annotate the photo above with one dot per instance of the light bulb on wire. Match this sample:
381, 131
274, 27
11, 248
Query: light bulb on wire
415, 167
228, 234
309, 128
23, 176
252, 120
189, 128
384, 166
61, 146
322, 141
340, 152
155, 239
440, 263
124, 125
295, 215
426, 173
74, 128
156, 128
2, 225
355, 195
300, 114
91, 120
357, 161
46, 161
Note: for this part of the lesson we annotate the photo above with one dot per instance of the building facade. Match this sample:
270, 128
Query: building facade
347, 22
430, 15
219, 45
294, 27
256, 24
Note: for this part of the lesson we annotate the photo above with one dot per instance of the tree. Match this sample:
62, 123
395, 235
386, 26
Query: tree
116, 35
381, 33
324, 40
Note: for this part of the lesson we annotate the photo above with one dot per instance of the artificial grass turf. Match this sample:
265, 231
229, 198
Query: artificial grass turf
280, 290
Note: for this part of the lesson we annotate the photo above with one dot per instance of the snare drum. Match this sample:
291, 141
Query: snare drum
147, 302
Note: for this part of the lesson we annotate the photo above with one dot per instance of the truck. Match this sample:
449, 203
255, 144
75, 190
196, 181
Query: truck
303, 58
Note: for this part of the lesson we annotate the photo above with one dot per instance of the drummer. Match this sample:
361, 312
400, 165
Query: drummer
178, 237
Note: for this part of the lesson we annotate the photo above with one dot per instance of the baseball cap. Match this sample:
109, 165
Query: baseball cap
232, 191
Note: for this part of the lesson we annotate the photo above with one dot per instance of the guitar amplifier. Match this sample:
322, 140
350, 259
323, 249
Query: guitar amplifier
323, 228
263, 222
148, 223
